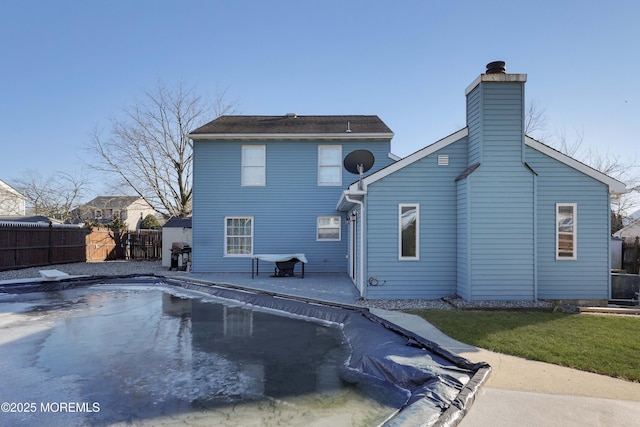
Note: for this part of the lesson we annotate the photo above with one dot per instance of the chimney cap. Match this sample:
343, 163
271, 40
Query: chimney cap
496, 67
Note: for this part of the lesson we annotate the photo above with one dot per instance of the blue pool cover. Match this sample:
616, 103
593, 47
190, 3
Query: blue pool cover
434, 386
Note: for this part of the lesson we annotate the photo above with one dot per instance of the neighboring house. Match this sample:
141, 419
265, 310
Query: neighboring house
178, 230
30, 219
486, 212
104, 209
629, 232
11, 201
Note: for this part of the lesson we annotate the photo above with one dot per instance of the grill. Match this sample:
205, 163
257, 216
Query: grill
180, 256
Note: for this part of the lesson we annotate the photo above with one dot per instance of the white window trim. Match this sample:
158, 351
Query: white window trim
339, 165
339, 228
264, 165
417, 256
575, 232
225, 254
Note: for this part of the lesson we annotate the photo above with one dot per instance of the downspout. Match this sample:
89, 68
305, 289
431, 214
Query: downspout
362, 235
609, 245
535, 237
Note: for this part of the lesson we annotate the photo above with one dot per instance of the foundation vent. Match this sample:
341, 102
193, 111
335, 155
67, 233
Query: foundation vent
443, 160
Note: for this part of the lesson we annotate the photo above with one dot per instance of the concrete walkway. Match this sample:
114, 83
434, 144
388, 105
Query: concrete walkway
524, 393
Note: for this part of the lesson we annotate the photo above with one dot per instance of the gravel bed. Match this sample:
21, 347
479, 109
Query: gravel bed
456, 303
408, 304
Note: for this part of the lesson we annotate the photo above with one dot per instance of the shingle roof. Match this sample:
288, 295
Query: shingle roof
294, 124
110, 202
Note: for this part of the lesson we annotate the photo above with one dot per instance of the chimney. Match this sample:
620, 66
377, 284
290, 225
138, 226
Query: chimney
495, 117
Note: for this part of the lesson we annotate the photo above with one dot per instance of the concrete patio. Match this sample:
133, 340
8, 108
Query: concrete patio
331, 287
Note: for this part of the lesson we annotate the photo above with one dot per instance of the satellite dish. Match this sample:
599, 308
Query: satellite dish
359, 161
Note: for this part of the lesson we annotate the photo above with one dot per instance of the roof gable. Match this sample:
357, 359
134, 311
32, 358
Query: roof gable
614, 185
411, 158
9, 189
293, 126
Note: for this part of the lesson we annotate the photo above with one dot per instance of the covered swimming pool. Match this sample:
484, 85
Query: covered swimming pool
157, 351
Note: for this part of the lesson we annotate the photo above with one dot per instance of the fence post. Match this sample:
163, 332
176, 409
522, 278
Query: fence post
49, 252
636, 254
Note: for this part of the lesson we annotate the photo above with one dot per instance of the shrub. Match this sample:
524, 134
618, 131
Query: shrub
150, 222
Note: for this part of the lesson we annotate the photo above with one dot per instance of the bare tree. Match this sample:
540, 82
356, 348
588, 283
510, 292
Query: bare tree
53, 196
149, 148
624, 169
535, 121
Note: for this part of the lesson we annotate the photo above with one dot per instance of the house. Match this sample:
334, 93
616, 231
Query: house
269, 184
178, 230
629, 232
33, 219
104, 209
486, 213
11, 201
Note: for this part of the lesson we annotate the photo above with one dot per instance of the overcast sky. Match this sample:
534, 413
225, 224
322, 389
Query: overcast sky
68, 66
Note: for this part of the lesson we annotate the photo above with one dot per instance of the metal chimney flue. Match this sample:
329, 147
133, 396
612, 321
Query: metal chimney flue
496, 67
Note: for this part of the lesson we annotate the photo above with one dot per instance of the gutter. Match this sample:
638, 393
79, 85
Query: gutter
290, 136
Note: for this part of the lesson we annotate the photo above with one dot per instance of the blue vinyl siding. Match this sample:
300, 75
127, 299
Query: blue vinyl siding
495, 121
462, 233
474, 123
497, 228
587, 277
503, 133
501, 234
285, 210
433, 187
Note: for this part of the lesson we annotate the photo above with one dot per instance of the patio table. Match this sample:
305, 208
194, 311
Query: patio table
255, 260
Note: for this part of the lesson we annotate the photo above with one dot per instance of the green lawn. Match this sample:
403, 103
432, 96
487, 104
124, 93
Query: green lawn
608, 345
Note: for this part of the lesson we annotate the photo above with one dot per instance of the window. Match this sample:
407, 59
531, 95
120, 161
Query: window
566, 231
328, 228
408, 232
253, 165
329, 165
238, 236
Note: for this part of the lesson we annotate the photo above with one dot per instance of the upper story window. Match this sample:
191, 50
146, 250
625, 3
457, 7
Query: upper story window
254, 161
328, 228
329, 165
566, 231
408, 232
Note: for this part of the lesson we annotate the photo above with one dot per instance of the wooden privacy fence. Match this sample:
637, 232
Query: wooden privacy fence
145, 244
37, 244
105, 244
631, 255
